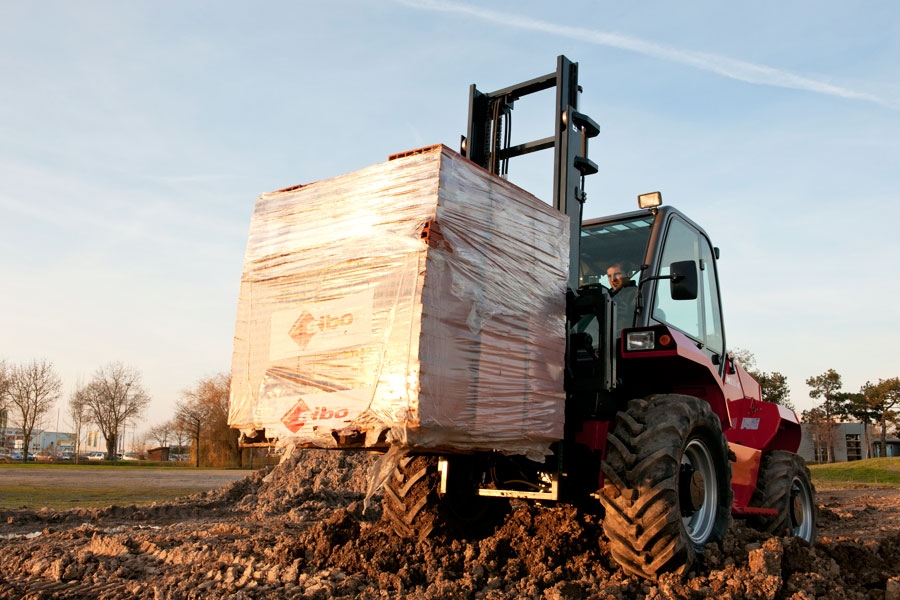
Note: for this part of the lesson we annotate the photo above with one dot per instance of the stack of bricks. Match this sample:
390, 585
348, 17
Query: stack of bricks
420, 302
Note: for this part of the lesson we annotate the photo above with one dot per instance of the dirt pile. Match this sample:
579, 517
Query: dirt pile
300, 531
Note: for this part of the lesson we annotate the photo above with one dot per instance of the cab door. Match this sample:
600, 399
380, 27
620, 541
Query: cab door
699, 318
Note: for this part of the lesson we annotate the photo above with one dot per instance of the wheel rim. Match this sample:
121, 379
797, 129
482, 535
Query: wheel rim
802, 519
698, 491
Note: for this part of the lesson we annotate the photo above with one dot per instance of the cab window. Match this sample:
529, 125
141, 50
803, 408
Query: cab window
700, 318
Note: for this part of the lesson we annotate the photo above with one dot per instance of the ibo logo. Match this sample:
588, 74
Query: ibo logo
307, 325
305, 328
300, 414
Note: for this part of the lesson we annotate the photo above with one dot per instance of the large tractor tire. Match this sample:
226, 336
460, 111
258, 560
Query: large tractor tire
410, 500
784, 484
667, 484
416, 510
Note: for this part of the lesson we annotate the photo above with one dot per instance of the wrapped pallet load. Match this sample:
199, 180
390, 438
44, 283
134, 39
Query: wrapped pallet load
417, 303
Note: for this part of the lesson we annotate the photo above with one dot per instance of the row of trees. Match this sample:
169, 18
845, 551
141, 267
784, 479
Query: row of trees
115, 397
873, 403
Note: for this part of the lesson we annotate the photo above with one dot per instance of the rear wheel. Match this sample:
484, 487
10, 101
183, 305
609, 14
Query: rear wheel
415, 509
410, 497
667, 490
784, 484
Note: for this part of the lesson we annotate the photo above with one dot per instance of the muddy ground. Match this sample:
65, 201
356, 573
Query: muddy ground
300, 531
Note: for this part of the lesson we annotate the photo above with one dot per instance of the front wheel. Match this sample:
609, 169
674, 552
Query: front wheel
667, 490
784, 484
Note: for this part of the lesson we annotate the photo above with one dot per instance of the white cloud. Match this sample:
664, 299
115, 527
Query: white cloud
714, 63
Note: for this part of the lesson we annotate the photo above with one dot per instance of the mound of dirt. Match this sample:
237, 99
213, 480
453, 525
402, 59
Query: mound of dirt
300, 531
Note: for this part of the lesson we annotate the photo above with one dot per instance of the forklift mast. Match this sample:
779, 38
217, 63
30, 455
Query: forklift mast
488, 136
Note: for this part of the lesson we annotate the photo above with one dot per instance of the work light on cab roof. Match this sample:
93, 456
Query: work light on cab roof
650, 200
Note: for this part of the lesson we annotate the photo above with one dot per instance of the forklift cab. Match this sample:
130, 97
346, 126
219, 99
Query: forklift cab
676, 281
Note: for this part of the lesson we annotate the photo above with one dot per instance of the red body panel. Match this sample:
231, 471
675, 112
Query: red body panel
684, 368
763, 425
751, 426
593, 435
744, 471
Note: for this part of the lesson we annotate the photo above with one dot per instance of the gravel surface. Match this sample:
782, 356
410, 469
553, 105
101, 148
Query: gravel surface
300, 531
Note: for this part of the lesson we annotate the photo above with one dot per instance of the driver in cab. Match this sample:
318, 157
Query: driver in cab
624, 289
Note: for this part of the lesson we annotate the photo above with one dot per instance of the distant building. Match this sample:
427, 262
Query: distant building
892, 445
846, 441
158, 454
42, 441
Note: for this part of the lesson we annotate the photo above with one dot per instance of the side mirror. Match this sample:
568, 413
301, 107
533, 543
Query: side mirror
683, 282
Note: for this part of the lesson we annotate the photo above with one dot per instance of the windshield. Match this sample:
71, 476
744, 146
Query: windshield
612, 248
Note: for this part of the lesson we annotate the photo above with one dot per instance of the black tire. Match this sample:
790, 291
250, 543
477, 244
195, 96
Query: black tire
415, 510
667, 484
410, 502
784, 484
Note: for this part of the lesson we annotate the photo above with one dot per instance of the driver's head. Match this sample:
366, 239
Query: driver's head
618, 276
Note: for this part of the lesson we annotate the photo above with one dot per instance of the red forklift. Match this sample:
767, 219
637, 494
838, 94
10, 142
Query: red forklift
665, 432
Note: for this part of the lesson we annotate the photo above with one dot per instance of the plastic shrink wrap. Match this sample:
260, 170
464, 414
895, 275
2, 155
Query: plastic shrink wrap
420, 302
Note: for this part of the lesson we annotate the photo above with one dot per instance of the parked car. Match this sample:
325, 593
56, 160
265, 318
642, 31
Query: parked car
131, 456
96, 455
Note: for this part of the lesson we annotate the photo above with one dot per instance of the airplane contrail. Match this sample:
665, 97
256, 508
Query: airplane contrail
722, 65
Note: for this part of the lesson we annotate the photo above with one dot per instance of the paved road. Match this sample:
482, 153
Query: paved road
104, 476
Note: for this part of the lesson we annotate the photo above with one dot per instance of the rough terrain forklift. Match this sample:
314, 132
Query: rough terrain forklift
664, 431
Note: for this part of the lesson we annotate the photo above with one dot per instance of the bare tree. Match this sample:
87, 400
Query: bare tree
192, 416
204, 412
182, 436
139, 444
5, 378
112, 398
33, 389
77, 413
161, 433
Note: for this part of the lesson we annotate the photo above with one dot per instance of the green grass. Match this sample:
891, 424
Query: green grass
872, 472
97, 488
83, 497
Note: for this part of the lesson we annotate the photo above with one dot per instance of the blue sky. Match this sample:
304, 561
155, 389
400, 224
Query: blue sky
135, 138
